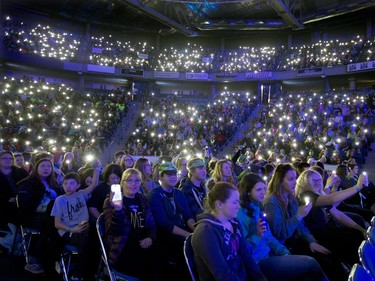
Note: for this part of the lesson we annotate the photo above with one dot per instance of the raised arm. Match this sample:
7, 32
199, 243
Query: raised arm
336, 197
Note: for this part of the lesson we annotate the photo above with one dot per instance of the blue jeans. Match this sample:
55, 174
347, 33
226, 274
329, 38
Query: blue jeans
292, 267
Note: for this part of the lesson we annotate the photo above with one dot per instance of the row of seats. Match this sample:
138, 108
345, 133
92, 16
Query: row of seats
366, 270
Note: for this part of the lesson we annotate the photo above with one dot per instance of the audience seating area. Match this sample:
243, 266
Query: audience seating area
336, 126
47, 41
41, 114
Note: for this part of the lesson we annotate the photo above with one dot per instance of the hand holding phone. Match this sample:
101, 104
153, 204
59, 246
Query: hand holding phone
307, 200
116, 189
116, 196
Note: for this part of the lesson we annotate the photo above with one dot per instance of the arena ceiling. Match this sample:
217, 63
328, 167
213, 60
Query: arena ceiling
204, 17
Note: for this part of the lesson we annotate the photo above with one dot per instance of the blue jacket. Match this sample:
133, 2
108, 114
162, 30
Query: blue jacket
169, 212
285, 223
221, 255
262, 247
194, 196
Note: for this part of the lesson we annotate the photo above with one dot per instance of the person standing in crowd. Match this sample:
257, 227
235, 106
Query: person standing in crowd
172, 215
131, 231
273, 258
144, 166
285, 219
220, 250
193, 186
330, 226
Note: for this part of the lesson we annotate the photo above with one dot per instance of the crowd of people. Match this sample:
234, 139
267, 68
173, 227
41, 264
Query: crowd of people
335, 127
36, 115
325, 53
168, 126
47, 41
40, 39
243, 221
111, 52
291, 203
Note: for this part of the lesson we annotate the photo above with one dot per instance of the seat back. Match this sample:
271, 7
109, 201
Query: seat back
371, 234
359, 273
100, 228
189, 258
113, 274
26, 234
367, 256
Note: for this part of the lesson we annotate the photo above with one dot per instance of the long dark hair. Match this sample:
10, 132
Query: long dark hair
276, 182
51, 179
246, 185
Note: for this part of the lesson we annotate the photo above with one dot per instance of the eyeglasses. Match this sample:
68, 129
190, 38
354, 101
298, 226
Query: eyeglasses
132, 181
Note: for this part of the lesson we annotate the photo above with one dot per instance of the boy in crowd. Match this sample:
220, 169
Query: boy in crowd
172, 215
71, 217
193, 187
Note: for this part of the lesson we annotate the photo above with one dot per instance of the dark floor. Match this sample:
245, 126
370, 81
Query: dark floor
12, 269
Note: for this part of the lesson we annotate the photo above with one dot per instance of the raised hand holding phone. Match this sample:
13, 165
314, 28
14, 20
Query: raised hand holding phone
116, 196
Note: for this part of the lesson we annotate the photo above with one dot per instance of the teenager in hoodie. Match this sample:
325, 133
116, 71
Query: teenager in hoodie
220, 251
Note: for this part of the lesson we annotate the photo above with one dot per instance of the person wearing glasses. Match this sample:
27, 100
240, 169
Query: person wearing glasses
173, 217
285, 218
131, 230
330, 226
126, 162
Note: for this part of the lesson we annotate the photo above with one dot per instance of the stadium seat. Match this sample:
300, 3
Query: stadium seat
65, 260
366, 255
189, 258
113, 274
359, 273
371, 234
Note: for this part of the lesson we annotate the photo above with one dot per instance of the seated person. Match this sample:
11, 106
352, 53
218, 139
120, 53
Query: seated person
331, 227
131, 231
220, 250
193, 186
9, 176
35, 192
172, 215
273, 258
71, 217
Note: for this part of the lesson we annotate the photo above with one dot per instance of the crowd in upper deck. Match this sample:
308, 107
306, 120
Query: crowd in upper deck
107, 50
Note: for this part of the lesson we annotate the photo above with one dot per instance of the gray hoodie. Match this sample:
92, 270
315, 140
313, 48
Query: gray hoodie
220, 254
